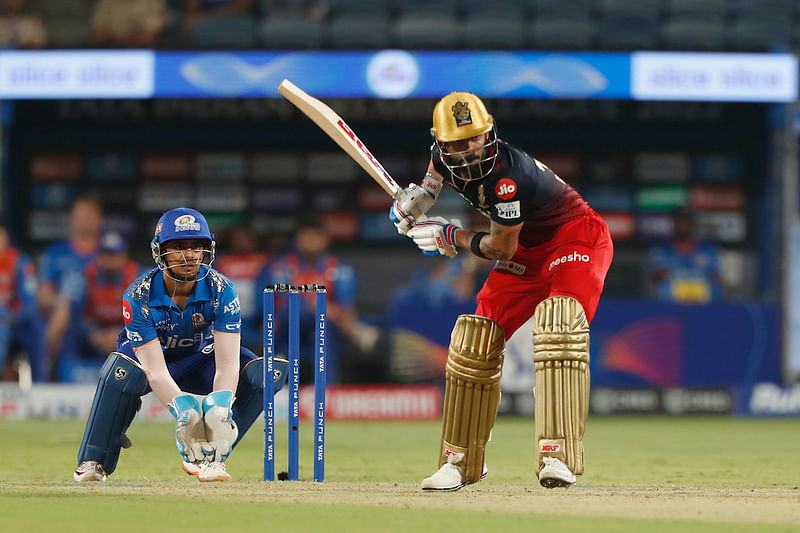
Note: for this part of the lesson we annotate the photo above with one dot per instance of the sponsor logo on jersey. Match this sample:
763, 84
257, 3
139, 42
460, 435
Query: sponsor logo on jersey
233, 327
574, 256
207, 349
233, 307
186, 223
176, 342
549, 448
505, 189
509, 210
514, 268
133, 335
120, 373
127, 313
462, 114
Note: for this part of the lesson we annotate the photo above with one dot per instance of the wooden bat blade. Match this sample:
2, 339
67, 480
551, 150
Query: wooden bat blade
338, 130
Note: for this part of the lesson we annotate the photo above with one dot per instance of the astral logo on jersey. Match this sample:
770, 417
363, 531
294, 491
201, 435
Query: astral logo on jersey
574, 256
505, 189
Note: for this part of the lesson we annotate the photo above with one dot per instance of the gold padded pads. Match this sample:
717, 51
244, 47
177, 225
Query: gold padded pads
472, 392
561, 366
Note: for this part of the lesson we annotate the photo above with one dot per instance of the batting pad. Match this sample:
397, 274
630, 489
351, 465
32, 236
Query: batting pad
472, 392
561, 366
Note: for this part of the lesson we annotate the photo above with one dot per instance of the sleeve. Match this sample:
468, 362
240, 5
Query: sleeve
138, 328
228, 318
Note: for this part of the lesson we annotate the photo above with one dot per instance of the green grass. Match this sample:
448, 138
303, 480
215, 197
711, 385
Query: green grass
373, 471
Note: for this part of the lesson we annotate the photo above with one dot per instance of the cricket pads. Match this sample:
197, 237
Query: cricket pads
561, 363
472, 393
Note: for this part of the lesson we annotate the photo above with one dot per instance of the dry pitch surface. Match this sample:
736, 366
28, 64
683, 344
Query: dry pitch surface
739, 506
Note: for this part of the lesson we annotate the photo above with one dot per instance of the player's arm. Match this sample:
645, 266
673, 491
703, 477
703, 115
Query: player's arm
499, 243
190, 437
151, 356
226, 350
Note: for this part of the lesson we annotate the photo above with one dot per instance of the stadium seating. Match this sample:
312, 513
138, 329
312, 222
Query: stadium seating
560, 34
424, 32
627, 32
696, 9
357, 31
558, 8
289, 32
691, 33
225, 32
493, 32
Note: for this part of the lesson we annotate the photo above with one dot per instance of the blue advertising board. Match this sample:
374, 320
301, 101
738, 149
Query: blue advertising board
53, 74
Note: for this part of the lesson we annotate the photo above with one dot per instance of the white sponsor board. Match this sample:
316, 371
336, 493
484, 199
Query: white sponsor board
769, 399
77, 74
714, 77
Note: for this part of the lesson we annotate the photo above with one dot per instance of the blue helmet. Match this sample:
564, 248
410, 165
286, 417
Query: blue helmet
178, 224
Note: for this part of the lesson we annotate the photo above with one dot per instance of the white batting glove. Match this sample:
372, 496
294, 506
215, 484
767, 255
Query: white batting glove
435, 236
221, 430
190, 432
413, 202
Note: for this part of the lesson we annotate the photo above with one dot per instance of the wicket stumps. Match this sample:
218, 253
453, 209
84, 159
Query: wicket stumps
320, 311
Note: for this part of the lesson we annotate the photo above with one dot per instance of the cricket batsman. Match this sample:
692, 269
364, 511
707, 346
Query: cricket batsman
182, 340
552, 254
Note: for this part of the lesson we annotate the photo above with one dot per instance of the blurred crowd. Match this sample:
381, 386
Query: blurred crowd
134, 23
60, 313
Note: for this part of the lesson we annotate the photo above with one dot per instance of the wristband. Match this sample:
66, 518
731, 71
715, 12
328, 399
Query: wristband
475, 244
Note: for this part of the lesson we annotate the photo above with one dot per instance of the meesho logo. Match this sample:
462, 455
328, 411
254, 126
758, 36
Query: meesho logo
574, 256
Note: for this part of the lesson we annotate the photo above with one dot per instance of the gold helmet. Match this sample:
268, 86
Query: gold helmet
460, 116
457, 117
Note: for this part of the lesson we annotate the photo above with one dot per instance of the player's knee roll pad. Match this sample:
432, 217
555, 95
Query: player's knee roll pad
121, 384
250, 391
561, 363
472, 392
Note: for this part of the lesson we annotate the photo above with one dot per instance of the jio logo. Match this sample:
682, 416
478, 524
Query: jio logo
505, 189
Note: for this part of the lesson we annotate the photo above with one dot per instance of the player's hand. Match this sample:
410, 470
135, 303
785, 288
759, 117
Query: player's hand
190, 432
413, 202
221, 430
435, 236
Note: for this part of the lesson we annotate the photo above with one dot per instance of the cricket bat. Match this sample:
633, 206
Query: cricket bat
338, 130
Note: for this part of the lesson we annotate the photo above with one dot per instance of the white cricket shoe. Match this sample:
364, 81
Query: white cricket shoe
450, 477
555, 474
89, 471
213, 471
193, 469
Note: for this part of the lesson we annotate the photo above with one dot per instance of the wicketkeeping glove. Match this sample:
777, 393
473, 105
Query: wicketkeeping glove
413, 202
221, 430
436, 236
190, 432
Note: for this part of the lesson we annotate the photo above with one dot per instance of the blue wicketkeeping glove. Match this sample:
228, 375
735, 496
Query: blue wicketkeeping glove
190, 432
221, 430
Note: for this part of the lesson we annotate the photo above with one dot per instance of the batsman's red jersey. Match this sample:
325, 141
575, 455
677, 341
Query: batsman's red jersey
564, 248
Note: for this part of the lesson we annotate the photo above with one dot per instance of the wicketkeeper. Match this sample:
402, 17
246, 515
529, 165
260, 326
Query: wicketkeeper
552, 251
182, 341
